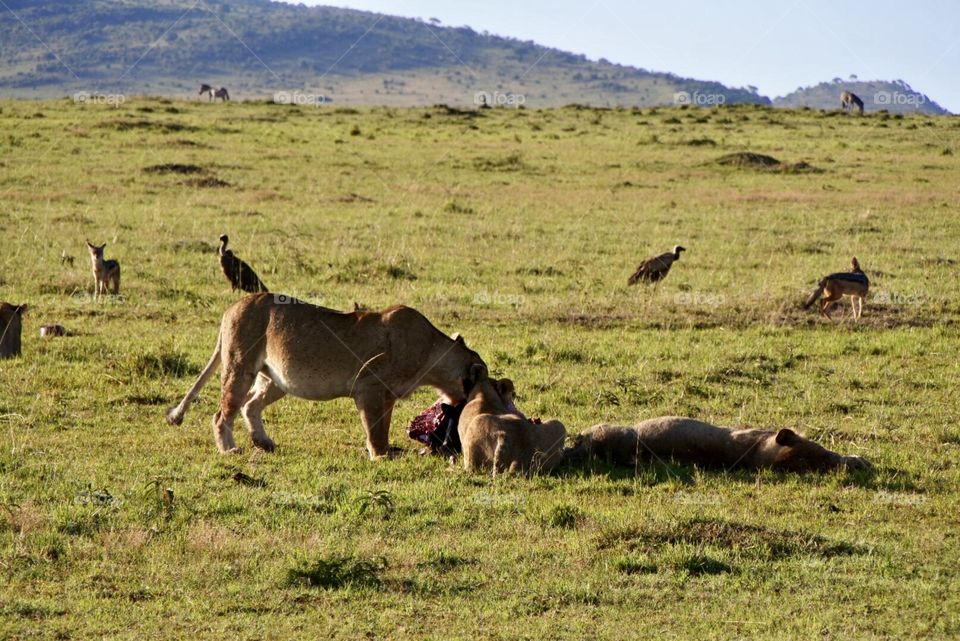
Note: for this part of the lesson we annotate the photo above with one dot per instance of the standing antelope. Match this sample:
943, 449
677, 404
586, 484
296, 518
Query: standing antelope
848, 100
106, 273
854, 284
214, 93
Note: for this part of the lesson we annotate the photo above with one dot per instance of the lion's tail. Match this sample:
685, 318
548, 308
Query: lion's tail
816, 294
175, 414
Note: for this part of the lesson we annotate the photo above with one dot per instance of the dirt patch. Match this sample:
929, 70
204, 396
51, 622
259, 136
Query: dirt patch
539, 271
163, 127
798, 168
759, 370
184, 142
447, 110
754, 540
877, 316
181, 169
140, 399
207, 181
626, 184
510, 162
174, 168
336, 572
352, 198
750, 160
597, 321
939, 261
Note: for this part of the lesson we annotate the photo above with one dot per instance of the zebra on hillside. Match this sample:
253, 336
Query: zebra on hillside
214, 93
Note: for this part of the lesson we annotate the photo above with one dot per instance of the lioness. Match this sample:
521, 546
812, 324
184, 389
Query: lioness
278, 346
691, 441
11, 326
497, 438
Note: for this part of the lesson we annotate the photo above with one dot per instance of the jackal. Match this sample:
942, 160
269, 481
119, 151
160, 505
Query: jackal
106, 273
854, 284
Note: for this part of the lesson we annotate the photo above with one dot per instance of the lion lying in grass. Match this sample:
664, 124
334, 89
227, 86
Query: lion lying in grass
688, 440
497, 438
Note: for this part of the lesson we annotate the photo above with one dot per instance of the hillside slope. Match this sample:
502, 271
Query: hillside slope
258, 48
895, 96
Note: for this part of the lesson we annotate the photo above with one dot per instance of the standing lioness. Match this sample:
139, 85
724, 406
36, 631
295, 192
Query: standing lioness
278, 346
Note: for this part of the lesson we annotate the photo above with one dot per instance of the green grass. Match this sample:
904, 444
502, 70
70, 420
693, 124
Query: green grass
517, 228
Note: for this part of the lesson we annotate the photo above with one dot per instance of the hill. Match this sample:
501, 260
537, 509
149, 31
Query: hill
258, 48
895, 96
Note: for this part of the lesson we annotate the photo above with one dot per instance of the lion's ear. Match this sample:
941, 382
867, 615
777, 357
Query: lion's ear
477, 372
786, 436
474, 374
458, 339
22, 309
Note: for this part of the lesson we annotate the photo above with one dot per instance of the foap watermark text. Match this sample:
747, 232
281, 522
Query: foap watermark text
297, 97
87, 98
498, 99
698, 99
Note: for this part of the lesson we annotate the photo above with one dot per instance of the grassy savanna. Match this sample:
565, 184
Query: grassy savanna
517, 228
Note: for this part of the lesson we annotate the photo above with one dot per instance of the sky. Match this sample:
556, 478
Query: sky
776, 46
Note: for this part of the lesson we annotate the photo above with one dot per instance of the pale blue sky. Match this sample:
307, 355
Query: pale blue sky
776, 46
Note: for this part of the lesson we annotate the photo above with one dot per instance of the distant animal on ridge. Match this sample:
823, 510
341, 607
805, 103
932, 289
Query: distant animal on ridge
849, 100
11, 325
240, 274
214, 93
854, 284
656, 268
106, 273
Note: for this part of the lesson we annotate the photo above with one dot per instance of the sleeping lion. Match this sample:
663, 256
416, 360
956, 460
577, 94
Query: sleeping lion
688, 440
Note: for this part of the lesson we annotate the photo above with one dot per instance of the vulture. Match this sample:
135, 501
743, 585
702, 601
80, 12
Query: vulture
655, 268
240, 274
